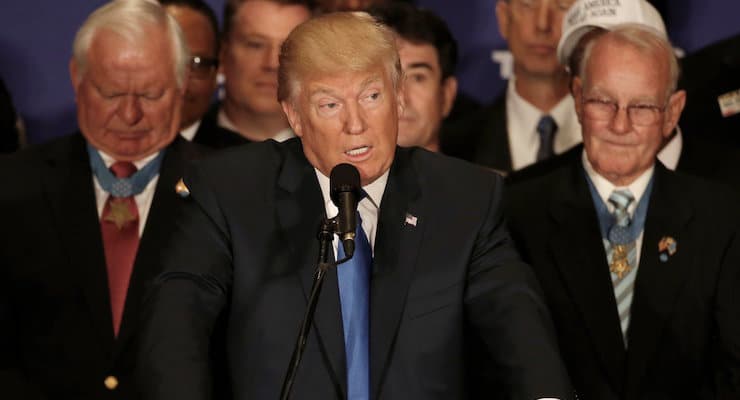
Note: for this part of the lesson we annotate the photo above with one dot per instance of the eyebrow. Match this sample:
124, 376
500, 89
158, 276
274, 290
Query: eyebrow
421, 64
324, 90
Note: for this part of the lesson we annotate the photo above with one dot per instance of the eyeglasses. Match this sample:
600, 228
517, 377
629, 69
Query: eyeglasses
640, 114
202, 67
531, 5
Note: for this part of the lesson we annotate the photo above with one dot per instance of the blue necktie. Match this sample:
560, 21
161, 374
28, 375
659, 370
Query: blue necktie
354, 293
546, 128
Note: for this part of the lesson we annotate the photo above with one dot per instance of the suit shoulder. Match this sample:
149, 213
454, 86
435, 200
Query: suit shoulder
449, 170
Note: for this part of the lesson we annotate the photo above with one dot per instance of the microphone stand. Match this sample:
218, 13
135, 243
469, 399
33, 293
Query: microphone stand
325, 236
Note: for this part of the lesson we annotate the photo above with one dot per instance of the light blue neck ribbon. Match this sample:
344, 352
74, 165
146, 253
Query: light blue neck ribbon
123, 187
607, 220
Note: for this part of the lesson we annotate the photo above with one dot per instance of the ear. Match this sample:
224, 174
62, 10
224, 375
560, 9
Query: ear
675, 106
577, 92
401, 95
74, 75
502, 17
449, 93
294, 118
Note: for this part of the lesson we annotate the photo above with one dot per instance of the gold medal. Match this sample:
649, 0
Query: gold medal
119, 214
620, 265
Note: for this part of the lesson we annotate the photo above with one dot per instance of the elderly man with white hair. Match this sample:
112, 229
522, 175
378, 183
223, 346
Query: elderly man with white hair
640, 265
89, 211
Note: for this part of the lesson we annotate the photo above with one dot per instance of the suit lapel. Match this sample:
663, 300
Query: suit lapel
68, 184
493, 147
300, 210
396, 247
658, 283
580, 257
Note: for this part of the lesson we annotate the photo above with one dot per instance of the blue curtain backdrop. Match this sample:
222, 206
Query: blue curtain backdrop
36, 38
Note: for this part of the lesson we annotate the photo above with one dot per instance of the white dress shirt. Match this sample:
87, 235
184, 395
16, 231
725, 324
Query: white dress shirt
189, 132
521, 125
143, 200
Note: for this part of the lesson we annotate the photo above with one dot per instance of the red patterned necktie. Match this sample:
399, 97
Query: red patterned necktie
119, 225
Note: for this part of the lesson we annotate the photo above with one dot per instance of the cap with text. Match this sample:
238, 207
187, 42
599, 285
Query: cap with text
585, 15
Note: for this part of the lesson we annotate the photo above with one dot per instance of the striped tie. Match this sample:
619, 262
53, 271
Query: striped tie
622, 256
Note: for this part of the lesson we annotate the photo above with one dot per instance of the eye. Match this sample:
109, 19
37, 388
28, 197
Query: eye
152, 96
418, 78
255, 45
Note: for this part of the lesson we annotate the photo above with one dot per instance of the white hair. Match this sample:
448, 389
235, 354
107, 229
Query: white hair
132, 20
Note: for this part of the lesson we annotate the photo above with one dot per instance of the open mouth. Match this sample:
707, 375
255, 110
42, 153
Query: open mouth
357, 151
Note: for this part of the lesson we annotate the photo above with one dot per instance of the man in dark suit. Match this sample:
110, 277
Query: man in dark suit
711, 78
432, 270
78, 243
252, 34
534, 119
200, 28
640, 265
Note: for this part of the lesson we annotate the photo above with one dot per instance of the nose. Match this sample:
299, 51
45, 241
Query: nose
544, 16
355, 119
621, 121
271, 58
130, 110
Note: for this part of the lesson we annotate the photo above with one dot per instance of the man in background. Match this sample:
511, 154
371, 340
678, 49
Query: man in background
90, 212
253, 32
200, 27
535, 118
428, 54
639, 264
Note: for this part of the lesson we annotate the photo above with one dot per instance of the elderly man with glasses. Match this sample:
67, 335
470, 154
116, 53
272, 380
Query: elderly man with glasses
639, 265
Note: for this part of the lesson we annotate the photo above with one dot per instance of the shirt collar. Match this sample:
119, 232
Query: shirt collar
189, 132
374, 192
605, 188
109, 160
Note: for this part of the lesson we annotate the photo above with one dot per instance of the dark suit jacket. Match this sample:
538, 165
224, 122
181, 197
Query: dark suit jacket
707, 74
482, 137
56, 340
212, 135
247, 247
684, 335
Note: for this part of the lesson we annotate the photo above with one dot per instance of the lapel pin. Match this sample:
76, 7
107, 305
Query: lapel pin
181, 189
729, 103
666, 248
410, 219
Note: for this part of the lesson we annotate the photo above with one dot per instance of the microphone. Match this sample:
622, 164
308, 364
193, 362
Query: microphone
344, 182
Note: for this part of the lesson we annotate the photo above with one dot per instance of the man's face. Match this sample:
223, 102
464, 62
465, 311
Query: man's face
128, 102
200, 39
428, 99
347, 118
532, 29
621, 148
250, 53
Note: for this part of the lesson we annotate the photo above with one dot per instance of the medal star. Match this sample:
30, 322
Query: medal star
120, 214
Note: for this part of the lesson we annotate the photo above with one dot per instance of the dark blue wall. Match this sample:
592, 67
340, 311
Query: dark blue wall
36, 38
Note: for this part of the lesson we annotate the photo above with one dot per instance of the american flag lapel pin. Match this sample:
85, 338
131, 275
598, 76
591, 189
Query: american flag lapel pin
410, 219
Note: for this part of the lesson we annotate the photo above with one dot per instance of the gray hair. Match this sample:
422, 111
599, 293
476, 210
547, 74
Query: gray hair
131, 19
646, 41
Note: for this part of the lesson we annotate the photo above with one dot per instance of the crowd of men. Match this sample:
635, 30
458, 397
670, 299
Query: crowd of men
578, 238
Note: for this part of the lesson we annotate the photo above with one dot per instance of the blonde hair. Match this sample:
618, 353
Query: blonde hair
132, 20
335, 43
646, 41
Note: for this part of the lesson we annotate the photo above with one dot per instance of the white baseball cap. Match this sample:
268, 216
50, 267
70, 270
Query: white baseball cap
585, 15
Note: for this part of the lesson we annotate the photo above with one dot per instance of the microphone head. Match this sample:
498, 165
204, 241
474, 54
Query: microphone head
344, 178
